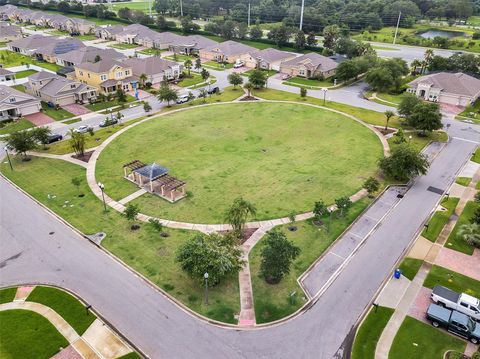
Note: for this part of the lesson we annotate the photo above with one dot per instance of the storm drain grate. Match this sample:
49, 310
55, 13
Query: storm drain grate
435, 190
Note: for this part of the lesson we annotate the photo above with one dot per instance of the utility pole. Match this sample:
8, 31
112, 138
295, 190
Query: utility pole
301, 14
248, 14
181, 8
396, 30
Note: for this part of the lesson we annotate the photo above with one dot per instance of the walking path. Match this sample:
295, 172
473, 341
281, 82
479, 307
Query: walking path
416, 299
98, 341
67, 157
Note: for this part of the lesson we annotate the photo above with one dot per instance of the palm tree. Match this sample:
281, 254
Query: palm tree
414, 65
249, 87
426, 59
388, 114
188, 65
143, 78
238, 214
470, 234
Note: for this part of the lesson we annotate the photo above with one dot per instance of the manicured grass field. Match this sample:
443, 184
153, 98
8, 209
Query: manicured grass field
368, 116
26, 334
415, 339
57, 115
453, 280
454, 240
194, 79
216, 66
11, 59
180, 58
369, 333
67, 306
419, 142
476, 156
132, 355
7, 295
281, 157
144, 249
410, 267
73, 120
309, 82
23, 74
15, 126
272, 301
463, 181
20, 88
124, 46
97, 106
152, 52
440, 219
268, 73
396, 99
135, 5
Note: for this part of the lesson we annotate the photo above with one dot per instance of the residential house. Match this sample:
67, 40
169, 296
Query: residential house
130, 32
56, 21
155, 68
106, 75
311, 65
15, 104
87, 54
267, 59
29, 45
191, 44
79, 26
58, 90
109, 32
9, 32
56, 47
164, 40
7, 12
6, 75
448, 88
228, 51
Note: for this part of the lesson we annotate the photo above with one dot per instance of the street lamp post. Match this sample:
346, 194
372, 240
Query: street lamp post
324, 95
8, 158
102, 187
330, 220
206, 287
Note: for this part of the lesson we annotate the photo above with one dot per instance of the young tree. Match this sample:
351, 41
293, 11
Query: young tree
203, 94
42, 135
120, 95
258, 79
343, 205
470, 233
190, 96
300, 40
235, 79
320, 209
198, 64
165, 93
156, 225
205, 74
21, 142
130, 213
237, 215
77, 142
476, 216
404, 163
255, 33
217, 255
331, 35
303, 92
188, 65
76, 181
372, 185
249, 87
277, 254
388, 115
146, 107
426, 117
407, 104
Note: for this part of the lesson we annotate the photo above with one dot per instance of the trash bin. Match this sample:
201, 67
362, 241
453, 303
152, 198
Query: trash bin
397, 273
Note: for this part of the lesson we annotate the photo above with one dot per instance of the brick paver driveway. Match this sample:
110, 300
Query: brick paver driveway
76, 109
141, 94
39, 119
460, 262
419, 307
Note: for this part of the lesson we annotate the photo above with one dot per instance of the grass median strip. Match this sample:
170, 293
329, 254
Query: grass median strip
369, 333
463, 181
7, 295
410, 267
440, 219
15, 126
455, 241
453, 280
67, 306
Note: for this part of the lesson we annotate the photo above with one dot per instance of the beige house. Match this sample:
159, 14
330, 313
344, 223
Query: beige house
228, 51
9, 32
267, 59
59, 90
311, 65
109, 32
155, 68
79, 26
449, 88
15, 104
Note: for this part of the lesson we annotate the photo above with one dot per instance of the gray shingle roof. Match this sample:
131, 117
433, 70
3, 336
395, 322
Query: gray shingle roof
5, 71
88, 54
149, 65
313, 61
230, 47
32, 42
6, 92
100, 66
199, 41
9, 30
455, 83
271, 55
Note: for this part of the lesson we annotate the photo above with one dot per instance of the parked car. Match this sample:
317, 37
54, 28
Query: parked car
108, 122
54, 137
213, 90
455, 322
463, 303
182, 99
83, 129
238, 63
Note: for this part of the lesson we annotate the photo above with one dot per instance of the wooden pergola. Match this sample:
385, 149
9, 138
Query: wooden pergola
155, 179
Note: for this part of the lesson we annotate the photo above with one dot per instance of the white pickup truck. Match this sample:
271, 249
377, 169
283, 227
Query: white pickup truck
463, 303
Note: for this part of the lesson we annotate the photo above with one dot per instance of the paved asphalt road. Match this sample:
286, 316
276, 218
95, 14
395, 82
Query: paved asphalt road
28, 253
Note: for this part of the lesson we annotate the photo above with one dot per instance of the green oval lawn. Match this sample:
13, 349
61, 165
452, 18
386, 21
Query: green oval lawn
281, 157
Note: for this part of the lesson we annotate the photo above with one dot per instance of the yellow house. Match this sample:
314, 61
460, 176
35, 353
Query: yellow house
107, 75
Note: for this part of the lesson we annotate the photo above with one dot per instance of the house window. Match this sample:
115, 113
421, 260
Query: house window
12, 99
119, 74
81, 73
88, 75
127, 72
125, 87
302, 72
72, 86
103, 77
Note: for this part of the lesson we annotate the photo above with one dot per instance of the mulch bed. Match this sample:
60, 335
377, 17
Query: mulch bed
383, 132
86, 156
248, 98
247, 233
